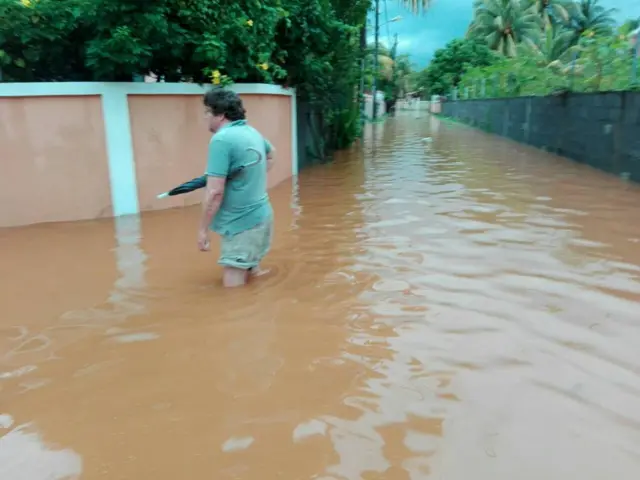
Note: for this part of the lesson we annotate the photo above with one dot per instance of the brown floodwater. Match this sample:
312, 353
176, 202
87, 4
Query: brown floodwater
464, 309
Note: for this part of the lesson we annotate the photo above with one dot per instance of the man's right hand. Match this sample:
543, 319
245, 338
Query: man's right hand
204, 245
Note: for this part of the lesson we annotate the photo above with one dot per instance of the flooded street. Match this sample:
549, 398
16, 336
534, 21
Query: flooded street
465, 309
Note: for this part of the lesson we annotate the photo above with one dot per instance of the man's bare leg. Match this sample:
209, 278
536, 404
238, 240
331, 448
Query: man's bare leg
234, 277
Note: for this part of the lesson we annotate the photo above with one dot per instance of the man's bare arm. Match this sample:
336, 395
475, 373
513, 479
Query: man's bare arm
214, 191
270, 159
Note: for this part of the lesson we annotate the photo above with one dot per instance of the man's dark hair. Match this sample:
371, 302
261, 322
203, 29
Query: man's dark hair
225, 102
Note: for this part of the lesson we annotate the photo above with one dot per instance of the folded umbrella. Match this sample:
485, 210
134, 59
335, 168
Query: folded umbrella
186, 187
201, 182
195, 184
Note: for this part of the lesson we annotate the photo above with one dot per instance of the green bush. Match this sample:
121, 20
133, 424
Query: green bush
312, 46
596, 63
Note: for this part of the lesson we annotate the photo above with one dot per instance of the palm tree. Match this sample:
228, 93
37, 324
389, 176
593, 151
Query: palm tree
503, 24
416, 6
403, 71
386, 62
553, 11
390, 63
589, 15
385, 59
629, 26
555, 48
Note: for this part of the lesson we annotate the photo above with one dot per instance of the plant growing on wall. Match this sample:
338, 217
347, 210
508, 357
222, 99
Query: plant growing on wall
605, 63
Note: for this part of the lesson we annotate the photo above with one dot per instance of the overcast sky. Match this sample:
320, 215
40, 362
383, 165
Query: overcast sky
420, 36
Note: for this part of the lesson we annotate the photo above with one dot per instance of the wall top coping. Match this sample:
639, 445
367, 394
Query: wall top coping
611, 93
48, 89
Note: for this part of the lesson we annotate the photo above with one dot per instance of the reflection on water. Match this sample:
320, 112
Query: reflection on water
461, 308
42, 341
24, 456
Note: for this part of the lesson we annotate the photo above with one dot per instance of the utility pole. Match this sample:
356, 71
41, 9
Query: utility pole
394, 76
362, 97
375, 60
636, 54
394, 57
363, 52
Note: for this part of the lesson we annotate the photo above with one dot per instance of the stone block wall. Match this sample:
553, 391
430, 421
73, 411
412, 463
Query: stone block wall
599, 129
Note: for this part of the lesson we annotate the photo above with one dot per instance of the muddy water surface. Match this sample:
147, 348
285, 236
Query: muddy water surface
461, 309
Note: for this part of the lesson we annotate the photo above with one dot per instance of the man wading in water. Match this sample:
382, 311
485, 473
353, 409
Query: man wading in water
236, 205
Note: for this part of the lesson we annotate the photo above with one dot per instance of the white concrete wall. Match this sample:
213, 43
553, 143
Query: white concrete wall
368, 106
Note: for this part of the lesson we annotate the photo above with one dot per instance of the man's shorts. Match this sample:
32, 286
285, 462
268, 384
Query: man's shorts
246, 249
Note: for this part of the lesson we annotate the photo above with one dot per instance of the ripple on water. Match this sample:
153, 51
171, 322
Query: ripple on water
135, 337
235, 444
309, 429
390, 286
25, 456
18, 372
466, 311
6, 420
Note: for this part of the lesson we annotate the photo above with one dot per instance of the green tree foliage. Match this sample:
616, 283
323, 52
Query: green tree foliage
502, 24
552, 11
554, 46
541, 46
416, 6
394, 72
113, 40
596, 63
43, 41
310, 45
392, 80
449, 64
630, 25
403, 70
591, 16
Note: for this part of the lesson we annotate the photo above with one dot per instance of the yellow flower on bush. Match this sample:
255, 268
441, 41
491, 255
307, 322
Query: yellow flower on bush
250, 23
26, 3
215, 77
263, 66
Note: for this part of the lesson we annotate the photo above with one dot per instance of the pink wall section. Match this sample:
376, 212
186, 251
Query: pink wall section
53, 154
271, 115
170, 140
53, 160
